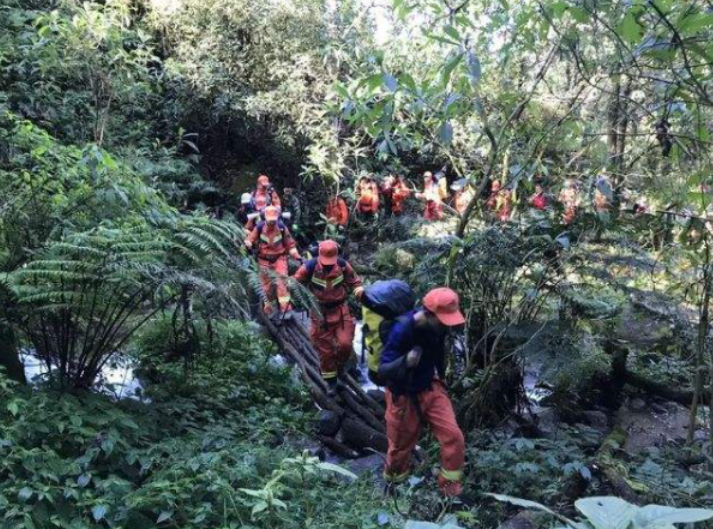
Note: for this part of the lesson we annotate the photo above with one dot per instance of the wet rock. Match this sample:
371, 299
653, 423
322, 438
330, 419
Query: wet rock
371, 464
548, 421
596, 419
637, 405
328, 423
521, 521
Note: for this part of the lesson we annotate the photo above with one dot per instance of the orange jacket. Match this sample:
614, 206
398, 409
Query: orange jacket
273, 242
330, 288
399, 193
337, 211
368, 198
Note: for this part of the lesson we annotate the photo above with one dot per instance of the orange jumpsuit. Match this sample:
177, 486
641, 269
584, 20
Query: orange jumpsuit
337, 211
333, 333
273, 245
570, 199
368, 203
434, 204
503, 205
399, 193
462, 200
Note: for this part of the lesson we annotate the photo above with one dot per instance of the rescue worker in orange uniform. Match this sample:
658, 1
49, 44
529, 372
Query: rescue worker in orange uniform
433, 195
399, 194
337, 211
569, 198
265, 194
500, 201
368, 197
539, 199
413, 366
331, 279
272, 241
464, 193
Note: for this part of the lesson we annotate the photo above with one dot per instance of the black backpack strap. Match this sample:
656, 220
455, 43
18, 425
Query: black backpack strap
310, 266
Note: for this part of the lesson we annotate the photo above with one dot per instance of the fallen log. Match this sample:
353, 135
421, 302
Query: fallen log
620, 372
361, 417
605, 464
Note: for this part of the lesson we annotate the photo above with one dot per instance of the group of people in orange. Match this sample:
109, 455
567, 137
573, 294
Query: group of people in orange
414, 351
391, 194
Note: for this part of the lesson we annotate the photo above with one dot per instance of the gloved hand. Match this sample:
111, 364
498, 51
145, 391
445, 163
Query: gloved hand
248, 245
359, 293
414, 357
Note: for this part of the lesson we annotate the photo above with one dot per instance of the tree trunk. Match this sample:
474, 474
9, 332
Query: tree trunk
9, 355
703, 324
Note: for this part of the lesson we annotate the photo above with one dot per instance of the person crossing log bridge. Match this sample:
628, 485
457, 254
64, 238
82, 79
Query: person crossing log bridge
331, 279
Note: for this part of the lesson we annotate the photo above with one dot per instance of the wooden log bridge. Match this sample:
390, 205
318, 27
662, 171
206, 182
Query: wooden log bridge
353, 421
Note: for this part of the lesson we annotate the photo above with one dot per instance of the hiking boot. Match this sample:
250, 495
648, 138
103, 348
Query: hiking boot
332, 385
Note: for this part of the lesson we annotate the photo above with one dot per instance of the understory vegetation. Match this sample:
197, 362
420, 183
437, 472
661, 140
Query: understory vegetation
138, 388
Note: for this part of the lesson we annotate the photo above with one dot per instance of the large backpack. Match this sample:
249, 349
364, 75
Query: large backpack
382, 304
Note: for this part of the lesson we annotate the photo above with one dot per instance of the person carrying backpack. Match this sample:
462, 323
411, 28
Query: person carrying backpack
272, 241
265, 194
413, 367
331, 280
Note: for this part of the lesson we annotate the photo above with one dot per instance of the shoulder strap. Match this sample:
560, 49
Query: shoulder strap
310, 266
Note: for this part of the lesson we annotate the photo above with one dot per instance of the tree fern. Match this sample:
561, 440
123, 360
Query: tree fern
83, 297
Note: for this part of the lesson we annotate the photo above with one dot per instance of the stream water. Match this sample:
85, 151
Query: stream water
116, 379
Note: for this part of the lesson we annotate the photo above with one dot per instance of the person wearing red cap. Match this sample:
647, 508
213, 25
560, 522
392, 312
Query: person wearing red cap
413, 366
265, 194
274, 242
331, 279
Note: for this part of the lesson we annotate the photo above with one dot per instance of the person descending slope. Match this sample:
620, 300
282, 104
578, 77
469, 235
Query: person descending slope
331, 280
399, 194
413, 367
368, 197
272, 241
433, 194
337, 211
265, 194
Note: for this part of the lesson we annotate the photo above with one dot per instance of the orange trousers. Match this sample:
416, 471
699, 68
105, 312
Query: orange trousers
433, 211
333, 337
279, 267
403, 426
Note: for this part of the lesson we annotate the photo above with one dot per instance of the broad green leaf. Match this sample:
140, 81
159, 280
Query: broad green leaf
696, 22
259, 507
607, 512
537, 506
341, 90
445, 133
390, 82
452, 33
630, 30
25, 493
330, 467
411, 524
164, 516
99, 512
450, 66
656, 516
13, 408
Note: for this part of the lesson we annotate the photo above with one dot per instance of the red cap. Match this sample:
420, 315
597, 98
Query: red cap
263, 181
272, 213
328, 252
444, 303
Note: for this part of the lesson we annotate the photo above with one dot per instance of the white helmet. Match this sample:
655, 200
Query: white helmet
246, 198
